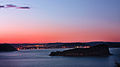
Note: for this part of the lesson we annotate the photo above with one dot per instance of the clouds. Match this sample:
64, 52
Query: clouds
13, 6
23, 7
10, 5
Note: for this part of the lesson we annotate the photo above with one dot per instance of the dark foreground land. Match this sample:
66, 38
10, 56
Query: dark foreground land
7, 48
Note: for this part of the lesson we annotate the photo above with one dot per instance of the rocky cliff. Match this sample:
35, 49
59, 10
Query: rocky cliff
99, 50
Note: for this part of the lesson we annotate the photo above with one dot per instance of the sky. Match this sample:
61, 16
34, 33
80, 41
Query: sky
59, 21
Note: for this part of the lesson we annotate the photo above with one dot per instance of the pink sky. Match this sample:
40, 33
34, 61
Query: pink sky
60, 21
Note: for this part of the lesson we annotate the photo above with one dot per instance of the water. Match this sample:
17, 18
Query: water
41, 58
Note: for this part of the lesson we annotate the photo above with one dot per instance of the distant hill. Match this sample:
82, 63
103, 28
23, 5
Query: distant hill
61, 45
110, 44
74, 44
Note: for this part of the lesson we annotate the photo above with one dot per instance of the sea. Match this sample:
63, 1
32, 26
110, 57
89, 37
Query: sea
41, 58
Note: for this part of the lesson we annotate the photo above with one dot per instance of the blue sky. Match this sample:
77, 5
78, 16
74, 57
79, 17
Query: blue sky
61, 17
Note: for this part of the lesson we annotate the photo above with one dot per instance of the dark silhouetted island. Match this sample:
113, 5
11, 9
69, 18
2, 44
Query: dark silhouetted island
7, 48
117, 64
98, 50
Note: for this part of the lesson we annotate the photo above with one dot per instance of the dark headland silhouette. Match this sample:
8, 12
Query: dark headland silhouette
98, 50
7, 48
117, 64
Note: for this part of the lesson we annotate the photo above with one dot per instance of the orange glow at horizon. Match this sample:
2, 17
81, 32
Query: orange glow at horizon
48, 37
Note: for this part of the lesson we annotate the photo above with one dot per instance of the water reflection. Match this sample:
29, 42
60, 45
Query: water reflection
41, 58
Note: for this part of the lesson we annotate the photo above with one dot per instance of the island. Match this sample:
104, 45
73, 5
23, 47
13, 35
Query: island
7, 48
117, 64
98, 50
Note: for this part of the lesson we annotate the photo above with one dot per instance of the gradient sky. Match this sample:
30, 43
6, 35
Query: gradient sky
60, 21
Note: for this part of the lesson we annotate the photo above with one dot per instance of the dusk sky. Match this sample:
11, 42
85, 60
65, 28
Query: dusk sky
59, 21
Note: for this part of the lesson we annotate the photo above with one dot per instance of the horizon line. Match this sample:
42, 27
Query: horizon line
60, 42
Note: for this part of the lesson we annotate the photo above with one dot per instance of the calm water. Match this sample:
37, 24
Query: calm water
40, 58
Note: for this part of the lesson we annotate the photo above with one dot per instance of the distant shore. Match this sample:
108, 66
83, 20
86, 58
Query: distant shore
62, 45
